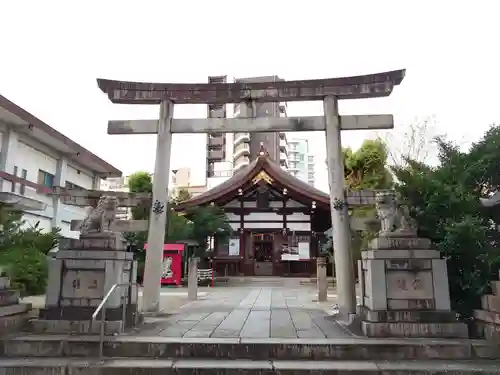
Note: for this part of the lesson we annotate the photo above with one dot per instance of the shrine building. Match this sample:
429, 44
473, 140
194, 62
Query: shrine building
278, 221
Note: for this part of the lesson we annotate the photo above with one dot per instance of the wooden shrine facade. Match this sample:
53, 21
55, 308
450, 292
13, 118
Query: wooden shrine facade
277, 220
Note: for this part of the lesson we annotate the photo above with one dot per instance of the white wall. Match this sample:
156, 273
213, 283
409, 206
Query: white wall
31, 220
79, 176
26, 153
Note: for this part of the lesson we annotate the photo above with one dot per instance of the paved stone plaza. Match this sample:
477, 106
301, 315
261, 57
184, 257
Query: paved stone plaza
250, 312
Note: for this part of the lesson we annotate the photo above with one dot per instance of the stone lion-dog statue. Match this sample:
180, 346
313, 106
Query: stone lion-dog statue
101, 217
394, 217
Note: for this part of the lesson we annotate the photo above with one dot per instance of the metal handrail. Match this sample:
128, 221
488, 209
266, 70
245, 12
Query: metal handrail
102, 308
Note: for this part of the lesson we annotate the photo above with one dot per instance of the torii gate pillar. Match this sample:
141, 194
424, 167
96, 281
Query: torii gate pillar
344, 271
158, 217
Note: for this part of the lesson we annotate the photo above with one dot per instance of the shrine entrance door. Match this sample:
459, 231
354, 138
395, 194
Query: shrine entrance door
263, 249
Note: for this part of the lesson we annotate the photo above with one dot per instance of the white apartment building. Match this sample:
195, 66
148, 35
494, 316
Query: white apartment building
34, 158
228, 152
118, 184
182, 180
300, 161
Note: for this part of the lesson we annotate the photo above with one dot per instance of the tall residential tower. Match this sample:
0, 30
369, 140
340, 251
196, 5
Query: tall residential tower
300, 160
228, 152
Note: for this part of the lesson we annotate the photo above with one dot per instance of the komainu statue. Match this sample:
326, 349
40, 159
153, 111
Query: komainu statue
100, 218
394, 217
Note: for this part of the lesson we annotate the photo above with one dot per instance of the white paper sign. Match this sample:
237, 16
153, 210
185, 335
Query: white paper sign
303, 250
289, 257
234, 246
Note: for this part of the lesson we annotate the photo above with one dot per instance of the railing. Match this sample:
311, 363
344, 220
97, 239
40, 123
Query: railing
205, 274
241, 136
242, 147
212, 173
102, 309
241, 161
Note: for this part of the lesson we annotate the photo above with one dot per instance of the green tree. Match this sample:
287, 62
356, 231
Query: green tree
365, 168
23, 252
206, 222
182, 195
445, 202
140, 182
196, 224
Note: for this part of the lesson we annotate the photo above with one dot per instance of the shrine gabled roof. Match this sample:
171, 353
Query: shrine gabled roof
246, 175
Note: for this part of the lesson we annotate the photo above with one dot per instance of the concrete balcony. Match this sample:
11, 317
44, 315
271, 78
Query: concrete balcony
215, 141
242, 161
283, 146
22, 203
215, 154
241, 137
241, 149
219, 112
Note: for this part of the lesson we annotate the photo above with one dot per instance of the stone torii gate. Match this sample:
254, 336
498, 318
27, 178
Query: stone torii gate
329, 90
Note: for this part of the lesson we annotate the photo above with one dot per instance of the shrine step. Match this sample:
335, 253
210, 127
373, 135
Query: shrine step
355, 349
141, 366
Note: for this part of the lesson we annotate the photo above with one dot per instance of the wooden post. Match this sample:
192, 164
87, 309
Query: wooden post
193, 279
321, 280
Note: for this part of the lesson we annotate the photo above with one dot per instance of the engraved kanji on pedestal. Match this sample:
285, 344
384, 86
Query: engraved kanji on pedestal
403, 281
85, 269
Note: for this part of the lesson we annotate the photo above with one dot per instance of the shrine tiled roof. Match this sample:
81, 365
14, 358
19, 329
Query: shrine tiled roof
246, 174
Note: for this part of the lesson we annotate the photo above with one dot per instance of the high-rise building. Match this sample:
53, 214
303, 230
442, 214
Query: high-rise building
247, 145
216, 142
228, 152
300, 160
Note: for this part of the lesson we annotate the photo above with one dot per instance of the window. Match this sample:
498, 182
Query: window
310, 159
301, 157
310, 176
45, 178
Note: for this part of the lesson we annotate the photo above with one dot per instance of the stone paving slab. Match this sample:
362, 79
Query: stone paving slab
251, 313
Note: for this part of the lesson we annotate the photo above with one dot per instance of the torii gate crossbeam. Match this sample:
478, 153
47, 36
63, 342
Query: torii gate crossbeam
329, 90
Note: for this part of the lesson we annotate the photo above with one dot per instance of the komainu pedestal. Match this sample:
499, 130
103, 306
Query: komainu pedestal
80, 275
488, 317
404, 283
13, 315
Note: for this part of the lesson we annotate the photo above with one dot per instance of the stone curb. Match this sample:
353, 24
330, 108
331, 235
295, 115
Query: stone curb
263, 349
56, 366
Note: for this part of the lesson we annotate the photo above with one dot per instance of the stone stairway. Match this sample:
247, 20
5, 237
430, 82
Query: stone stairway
64, 355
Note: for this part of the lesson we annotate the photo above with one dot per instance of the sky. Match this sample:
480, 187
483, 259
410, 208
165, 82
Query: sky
51, 53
